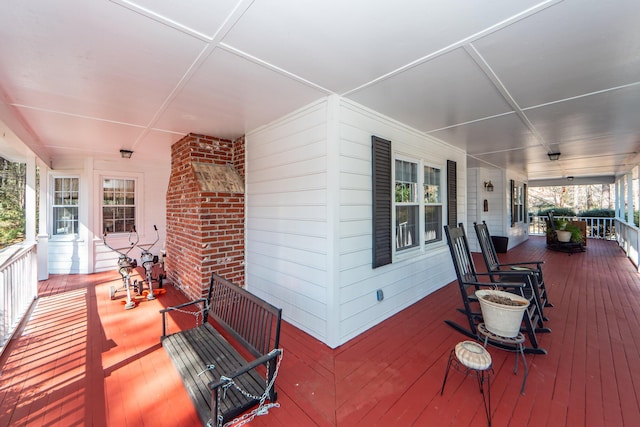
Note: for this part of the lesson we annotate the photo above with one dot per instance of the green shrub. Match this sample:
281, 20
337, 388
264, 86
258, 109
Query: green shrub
558, 212
600, 213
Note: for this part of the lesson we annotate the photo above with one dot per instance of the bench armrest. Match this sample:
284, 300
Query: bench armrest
164, 312
218, 387
272, 355
175, 307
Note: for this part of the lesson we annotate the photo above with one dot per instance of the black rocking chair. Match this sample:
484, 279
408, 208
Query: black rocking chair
494, 266
469, 282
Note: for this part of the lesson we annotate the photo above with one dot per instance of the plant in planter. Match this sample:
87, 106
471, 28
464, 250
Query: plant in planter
502, 311
565, 231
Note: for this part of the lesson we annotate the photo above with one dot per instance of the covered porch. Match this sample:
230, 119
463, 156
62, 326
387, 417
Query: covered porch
82, 359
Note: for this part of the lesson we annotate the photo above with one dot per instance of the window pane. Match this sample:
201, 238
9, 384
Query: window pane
118, 205
406, 227
406, 182
432, 223
432, 192
65, 205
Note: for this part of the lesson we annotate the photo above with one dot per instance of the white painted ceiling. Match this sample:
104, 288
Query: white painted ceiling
506, 80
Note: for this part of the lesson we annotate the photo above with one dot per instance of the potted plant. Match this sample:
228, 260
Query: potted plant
566, 231
502, 311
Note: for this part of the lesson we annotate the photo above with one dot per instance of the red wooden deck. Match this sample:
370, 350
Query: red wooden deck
83, 360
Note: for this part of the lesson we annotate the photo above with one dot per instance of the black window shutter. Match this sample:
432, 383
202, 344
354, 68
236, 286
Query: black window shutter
526, 205
382, 191
452, 193
512, 186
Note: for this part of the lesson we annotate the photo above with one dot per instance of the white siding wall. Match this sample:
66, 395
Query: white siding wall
287, 214
309, 240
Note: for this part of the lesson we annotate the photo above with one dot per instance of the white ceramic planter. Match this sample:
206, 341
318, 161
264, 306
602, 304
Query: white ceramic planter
503, 320
563, 235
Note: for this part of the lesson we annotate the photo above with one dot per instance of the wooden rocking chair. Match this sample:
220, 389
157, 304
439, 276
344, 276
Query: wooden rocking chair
469, 282
494, 266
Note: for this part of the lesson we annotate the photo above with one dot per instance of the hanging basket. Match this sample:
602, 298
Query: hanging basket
499, 318
563, 235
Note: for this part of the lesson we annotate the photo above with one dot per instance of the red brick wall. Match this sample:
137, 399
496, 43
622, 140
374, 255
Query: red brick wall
205, 230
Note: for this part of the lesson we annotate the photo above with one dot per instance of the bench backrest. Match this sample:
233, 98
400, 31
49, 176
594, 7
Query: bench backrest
249, 319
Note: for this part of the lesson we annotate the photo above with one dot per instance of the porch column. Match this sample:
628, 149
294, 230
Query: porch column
629, 198
43, 236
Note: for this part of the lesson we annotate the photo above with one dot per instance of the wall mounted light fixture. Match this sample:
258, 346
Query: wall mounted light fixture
488, 186
553, 156
126, 154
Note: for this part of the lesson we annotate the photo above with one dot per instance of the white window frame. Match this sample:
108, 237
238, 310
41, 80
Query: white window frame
136, 178
53, 231
422, 245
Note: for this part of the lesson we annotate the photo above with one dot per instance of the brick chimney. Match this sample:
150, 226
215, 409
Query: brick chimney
205, 213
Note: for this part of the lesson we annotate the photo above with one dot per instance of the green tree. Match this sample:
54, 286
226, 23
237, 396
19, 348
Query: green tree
12, 203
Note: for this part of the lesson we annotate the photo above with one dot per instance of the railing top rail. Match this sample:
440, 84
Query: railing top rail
15, 252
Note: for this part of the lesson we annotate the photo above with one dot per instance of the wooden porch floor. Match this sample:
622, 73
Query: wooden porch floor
83, 360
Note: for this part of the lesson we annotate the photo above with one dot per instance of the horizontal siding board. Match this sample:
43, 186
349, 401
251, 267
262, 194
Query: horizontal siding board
352, 213
302, 197
311, 149
312, 213
355, 227
350, 197
289, 226
353, 181
355, 166
293, 170
314, 245
278, 184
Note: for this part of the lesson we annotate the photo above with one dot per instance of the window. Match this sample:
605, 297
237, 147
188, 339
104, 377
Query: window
118, 205
413, 195
432, 205
518, 202
406, 187
65, 206
409, 208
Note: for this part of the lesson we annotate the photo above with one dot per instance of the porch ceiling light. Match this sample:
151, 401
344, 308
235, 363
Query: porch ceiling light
553, 156
126, 154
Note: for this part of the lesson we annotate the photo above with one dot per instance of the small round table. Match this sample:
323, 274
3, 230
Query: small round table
517, 342
468, 357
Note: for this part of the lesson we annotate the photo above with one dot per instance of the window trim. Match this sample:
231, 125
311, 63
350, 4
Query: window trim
52, 197
138, 178
423, 246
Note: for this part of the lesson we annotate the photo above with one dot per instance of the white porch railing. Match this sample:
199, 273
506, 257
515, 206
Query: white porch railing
597, 227
628, 238
18, 289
